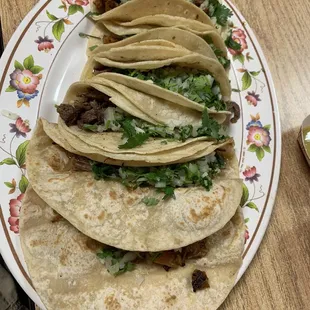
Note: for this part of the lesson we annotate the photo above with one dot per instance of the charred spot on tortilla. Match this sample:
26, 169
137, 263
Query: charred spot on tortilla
200, 280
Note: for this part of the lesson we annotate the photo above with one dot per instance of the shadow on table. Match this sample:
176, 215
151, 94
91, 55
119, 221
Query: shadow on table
12, 297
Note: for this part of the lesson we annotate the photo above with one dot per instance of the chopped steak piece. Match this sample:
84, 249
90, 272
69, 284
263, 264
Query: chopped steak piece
103, 6
110, 39
90, 117
68, 113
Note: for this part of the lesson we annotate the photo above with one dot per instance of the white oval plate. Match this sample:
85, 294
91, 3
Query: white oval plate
45, 68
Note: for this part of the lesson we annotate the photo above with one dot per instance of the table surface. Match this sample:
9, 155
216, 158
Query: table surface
278, 277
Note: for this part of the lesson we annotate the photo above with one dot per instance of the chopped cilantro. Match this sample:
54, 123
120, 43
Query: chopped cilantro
150, 201
134, 138
164, 178
231, 43
209, 126
219, 11
137, 131
219, 54
193, 84
92, 48
117, 261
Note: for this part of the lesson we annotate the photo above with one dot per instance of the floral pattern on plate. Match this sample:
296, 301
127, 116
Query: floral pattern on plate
25, 80
49, 26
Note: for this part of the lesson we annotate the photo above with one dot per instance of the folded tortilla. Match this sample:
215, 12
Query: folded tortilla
178, 36
98, 207
184, 38
67, 274
139, 8
145, 58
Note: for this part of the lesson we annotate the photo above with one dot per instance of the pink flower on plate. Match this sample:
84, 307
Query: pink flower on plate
21, 127
252, 98
250, 174
258, 136
239, 36
78, 2
44, 44
15, 206
24, 81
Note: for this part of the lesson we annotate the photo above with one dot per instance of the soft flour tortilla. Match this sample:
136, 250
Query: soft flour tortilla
143, 99
142, 105
158, 21
67, 274
139, 8
154, 90
164, 112
98, 207
104, 147
181, 37
193, 60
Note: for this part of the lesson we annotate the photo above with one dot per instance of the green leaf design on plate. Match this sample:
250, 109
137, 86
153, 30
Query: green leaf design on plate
18, 65
245, 195
21, 153
23, 184
51, 16
255, 73
260, 153
267, 127
75, 8
239, 57
8, 161
267, 149
10, 89
36, 69
246, 220
246, 80
29, 62
9, 184
235, 90
58, 29
252, 148
252, 205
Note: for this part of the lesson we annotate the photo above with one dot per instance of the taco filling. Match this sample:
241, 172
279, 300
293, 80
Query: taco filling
164, 179
193, 84
218, 13
93, 111
119, 261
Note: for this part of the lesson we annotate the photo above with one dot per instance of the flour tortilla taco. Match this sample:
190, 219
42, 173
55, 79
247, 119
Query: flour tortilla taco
181, 203
71, 271
178, 36
118, 119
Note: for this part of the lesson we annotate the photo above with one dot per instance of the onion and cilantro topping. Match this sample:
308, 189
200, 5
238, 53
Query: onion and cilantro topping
165, 179
193, 84
118, 261
94, 112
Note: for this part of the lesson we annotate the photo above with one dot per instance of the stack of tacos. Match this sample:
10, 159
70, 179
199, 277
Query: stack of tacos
136, 188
